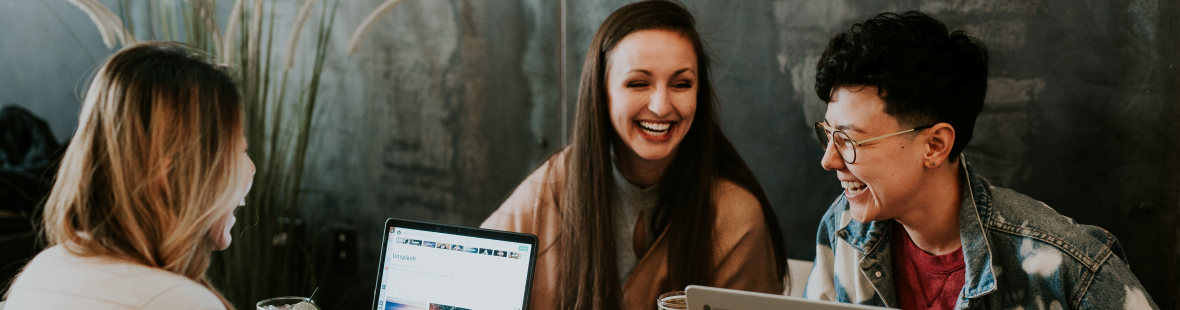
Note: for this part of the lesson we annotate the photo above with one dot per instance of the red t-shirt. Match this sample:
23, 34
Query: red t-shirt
923, 281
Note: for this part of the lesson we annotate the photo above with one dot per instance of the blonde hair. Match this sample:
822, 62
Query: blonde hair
154, 163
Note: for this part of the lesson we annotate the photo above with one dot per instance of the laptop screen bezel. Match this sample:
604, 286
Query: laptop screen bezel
506, 236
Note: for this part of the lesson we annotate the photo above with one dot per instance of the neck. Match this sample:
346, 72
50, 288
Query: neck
639, 171
933, 220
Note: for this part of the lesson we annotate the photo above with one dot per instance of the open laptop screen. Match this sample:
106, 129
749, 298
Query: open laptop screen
448, 270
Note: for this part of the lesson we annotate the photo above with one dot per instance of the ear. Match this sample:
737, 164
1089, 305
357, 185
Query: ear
939, 141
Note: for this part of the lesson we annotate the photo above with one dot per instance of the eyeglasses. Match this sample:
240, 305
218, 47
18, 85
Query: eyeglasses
845, 146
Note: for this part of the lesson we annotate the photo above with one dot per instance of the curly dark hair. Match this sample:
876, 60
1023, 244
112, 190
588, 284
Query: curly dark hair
924, 73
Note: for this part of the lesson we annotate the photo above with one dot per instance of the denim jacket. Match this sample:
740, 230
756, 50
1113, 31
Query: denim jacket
1019, 254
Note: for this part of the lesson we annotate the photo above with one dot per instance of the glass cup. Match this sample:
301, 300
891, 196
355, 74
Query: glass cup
674, 300
287, 303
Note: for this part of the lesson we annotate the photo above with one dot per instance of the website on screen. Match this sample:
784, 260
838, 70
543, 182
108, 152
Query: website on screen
426, 270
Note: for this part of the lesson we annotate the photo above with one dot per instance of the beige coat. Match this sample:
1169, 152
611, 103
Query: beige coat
743, 253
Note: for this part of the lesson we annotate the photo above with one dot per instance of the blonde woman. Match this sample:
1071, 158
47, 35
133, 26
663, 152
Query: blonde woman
146, 190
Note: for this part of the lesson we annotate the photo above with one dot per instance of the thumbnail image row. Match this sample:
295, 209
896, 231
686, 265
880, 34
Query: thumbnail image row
456, 247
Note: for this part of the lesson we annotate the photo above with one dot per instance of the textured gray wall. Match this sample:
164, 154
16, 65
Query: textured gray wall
450, 104
43, 66
445, 108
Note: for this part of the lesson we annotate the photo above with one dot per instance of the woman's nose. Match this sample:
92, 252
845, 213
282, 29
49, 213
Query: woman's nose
832, 159
660, 102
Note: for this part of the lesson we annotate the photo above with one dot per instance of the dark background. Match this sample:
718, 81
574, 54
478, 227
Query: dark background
450, 104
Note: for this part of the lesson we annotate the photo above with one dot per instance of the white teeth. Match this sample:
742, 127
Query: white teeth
852, 184
655, 129
655, 133
853, 187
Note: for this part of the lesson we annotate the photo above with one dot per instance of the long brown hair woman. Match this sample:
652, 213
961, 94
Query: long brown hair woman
146, 189
650, 196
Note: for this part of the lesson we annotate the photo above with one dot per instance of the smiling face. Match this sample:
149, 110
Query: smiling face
652, 86
885, 178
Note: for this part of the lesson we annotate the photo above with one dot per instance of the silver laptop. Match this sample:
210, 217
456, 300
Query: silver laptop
712, 298
429, 266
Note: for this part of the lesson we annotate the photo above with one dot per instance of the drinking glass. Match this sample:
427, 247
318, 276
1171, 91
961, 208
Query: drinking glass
288, 303
674, 300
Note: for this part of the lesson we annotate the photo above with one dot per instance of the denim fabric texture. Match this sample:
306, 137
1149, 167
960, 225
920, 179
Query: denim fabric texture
1019, 252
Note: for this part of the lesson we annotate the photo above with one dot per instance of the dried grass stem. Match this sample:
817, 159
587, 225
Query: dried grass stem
367, 25
231, 33
296, 29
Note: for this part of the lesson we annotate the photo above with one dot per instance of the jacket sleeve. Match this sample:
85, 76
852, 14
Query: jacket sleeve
744, 252
518, 212
531, 209
821, 283
1115, 287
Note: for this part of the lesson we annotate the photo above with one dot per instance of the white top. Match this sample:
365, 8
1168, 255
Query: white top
58, 279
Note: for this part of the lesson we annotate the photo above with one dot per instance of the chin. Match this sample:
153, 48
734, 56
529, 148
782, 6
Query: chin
862, 213
654, 156
654, 152
858, 213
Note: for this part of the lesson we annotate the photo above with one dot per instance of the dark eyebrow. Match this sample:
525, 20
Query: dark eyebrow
678, 72
844, 127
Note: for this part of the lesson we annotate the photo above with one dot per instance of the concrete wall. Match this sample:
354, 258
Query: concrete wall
438, 117
450, 104
47, 59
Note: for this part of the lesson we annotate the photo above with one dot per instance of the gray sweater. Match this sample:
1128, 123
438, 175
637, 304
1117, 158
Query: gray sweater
629, 202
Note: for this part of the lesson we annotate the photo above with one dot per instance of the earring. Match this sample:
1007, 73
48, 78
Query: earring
243, 204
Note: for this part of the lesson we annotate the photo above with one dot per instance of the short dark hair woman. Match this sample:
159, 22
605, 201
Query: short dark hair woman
650, 196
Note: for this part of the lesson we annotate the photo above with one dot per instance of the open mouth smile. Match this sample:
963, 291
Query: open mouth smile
655, 129
853, 188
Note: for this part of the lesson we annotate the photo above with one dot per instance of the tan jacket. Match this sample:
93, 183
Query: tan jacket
743, 251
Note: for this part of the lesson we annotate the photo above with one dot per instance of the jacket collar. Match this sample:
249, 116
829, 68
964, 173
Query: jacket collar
976, 207
869, 238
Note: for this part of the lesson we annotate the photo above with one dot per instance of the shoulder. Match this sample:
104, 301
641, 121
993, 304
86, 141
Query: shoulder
1036, 239
186, 296
60, 278
539, 192
1027, 219
736, 206
1011, 207
166, 290
549, 176
738, 217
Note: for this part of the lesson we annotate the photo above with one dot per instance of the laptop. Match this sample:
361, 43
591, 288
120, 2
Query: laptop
428, 266
712, 298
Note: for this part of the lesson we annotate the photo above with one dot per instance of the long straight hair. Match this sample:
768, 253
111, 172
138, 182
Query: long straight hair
685, 211
153, 164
